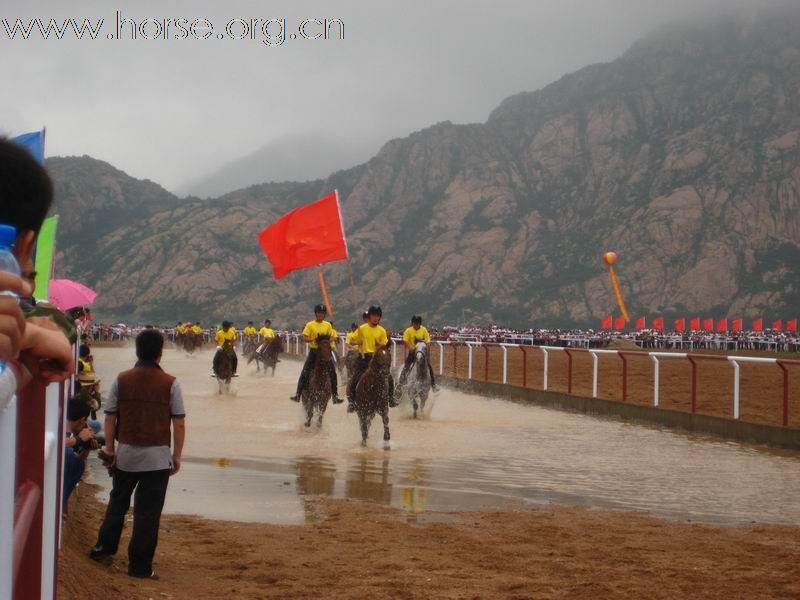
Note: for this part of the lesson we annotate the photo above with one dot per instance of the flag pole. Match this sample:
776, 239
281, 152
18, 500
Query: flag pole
324, 287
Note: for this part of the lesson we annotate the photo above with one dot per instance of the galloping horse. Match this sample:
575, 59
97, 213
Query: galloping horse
249, 348
372, 394
191, 342
317, 392
224, 371
419, 379
267, 354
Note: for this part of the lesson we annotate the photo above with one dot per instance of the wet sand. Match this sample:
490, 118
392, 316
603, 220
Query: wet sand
312, 514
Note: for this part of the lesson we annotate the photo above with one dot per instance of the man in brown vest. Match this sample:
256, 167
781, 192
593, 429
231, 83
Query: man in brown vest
141, 406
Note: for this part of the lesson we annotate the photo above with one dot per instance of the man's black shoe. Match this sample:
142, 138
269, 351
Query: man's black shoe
99, 554
295, 398
151, 575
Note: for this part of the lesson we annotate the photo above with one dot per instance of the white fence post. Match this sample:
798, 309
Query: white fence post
655, 379
441, 358
544, 383
505, 364
594, 374
735, 388
52, 485
394, 353
469, 364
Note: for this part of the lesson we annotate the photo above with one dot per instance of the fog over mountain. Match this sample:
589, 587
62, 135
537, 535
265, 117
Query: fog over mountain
683, 154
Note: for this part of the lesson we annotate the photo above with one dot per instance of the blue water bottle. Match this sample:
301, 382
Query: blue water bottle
8, 261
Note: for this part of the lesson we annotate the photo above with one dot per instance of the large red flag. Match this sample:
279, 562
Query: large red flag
658, 324
680, 325
708, 324
619, 323
722, 326
694, 324
791, 325
308, 236
641, 323
758, 325
778, 325
737, 325
606, 323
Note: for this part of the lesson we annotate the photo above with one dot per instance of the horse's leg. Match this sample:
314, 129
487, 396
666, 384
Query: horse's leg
308, 404
364, 420
385, 415
323, 407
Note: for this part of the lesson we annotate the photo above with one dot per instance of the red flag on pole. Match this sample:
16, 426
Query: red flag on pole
791, 325
641, 323
658, 324
680, 325
708, 324
308, 236
778, 325
606, 323
619, 323
758, 325
737, 325
722, 326
694, 324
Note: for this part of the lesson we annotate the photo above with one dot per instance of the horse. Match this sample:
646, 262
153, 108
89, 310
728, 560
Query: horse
372, 394
267, 354
350, 362
191, 342
249, 348
317, 392
419, 379
224, 371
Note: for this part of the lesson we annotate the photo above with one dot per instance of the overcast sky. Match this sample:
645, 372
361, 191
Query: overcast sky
174, 110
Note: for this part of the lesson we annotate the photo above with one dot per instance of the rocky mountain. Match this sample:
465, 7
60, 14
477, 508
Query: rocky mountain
683, 155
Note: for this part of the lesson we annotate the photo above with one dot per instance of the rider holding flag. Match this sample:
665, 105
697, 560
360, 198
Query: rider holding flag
313, 329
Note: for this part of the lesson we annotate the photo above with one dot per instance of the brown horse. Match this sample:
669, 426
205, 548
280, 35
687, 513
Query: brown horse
318, 392
191, 342
267, 354
224, 370
372, 394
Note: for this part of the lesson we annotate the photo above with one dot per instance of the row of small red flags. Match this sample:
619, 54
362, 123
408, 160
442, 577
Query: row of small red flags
719, 326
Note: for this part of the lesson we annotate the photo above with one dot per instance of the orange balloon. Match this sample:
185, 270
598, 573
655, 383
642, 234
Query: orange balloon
610, 258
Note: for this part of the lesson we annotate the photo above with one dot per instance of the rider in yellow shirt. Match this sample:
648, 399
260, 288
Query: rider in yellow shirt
369, 337
313, 329
196, 329
411, 337
266, 332
180, 328
250, 330
226, 335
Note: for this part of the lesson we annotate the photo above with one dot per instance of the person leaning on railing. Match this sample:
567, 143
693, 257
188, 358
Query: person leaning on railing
37, 342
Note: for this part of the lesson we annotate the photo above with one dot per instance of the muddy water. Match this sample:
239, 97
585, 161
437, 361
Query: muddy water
248, 458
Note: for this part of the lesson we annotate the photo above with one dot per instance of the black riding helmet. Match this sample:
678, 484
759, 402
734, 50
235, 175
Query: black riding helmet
375, 310
320, 308
416, 320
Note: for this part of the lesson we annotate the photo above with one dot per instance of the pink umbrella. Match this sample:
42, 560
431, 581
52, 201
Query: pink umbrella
66, 294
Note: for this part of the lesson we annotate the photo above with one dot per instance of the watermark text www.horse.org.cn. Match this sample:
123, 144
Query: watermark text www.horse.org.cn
272, 32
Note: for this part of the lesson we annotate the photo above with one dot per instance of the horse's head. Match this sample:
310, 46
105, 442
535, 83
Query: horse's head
324, 345
421, 351
382, 358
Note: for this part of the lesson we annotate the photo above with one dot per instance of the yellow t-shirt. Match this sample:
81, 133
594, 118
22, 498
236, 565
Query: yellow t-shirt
181, 329
411, 336
351, 340
87, 366
226, 336
314, 329
196, 329
248, 331
266, 333
372, 337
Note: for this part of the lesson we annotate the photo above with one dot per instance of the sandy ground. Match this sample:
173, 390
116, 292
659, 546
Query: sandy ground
349, 548
360, 550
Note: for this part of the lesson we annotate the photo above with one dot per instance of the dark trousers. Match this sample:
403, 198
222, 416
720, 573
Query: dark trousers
151, 489
361, 365
218, 357
74, 467
308, 367
410, 360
